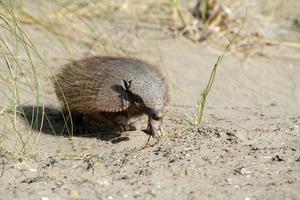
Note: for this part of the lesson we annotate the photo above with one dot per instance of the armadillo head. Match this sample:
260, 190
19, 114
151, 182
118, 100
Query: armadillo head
151, 97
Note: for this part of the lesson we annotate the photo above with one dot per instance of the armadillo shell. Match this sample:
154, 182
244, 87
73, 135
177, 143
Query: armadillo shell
93, 84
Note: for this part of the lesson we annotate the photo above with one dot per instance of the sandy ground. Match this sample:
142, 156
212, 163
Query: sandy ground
247, 147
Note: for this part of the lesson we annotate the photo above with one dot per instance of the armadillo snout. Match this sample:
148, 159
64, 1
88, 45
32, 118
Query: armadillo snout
159, 115
155, 115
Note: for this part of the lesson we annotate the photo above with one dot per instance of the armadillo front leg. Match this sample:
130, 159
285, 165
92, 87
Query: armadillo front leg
154, 128
117, 120
121, 121
79, 123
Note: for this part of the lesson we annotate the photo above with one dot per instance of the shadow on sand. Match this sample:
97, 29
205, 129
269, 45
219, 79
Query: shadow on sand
52, 121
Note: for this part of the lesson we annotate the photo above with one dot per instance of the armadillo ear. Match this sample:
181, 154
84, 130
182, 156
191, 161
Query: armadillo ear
127, 84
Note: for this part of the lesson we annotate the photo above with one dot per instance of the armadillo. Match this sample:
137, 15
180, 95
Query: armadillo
114, 90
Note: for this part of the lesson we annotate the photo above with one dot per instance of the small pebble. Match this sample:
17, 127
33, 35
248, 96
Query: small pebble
73, 193
32, 170
103, 182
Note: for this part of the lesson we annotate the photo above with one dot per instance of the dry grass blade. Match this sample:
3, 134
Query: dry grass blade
25, 66
201, 103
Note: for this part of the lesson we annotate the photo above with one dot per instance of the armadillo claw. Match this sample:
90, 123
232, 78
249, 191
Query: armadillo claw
160, 132
123, 128
147, 143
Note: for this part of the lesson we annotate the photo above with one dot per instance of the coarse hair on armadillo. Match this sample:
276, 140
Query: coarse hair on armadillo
97, 84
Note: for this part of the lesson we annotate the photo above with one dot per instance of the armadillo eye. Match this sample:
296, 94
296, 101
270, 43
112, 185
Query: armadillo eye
137, 99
